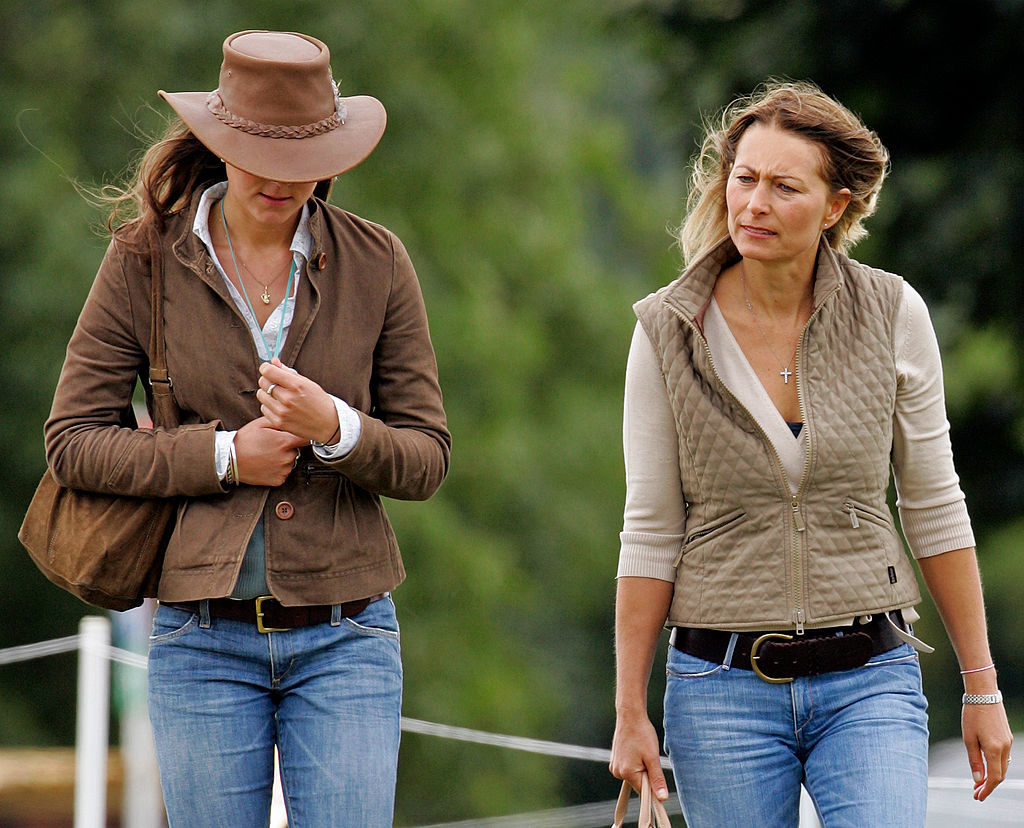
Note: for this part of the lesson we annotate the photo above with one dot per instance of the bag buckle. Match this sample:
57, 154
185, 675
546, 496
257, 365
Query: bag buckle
259, 616
754, 656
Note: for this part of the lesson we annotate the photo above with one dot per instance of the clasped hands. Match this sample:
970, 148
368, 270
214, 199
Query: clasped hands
295, 411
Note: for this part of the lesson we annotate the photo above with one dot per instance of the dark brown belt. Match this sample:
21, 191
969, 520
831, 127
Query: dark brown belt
780, 657
269, 615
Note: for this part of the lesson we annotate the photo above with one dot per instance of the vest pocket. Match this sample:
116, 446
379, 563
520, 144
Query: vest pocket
857, 511
707, 531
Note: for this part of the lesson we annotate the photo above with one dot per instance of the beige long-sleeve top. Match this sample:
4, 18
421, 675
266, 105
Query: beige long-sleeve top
932, 507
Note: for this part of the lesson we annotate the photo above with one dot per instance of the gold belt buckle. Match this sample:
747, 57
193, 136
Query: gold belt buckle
259, 616
754, 657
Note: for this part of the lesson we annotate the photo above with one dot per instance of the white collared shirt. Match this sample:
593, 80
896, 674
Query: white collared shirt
277, 326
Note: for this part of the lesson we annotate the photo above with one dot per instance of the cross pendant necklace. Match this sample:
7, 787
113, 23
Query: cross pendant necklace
785, 373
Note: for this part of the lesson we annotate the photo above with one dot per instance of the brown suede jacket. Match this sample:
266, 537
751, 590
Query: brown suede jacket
359, 330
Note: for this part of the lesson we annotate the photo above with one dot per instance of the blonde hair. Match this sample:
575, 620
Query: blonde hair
852, 157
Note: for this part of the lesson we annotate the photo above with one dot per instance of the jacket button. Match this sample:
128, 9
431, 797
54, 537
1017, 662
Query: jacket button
284, 510
321, 261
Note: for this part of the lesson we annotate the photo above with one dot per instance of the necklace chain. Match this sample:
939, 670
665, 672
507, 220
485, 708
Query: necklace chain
265, 294
785, 373
284, 310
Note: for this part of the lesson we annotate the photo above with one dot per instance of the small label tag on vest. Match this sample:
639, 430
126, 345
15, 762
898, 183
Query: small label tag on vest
892, 574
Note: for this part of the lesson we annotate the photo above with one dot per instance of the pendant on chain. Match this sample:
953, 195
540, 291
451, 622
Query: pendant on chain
265, 296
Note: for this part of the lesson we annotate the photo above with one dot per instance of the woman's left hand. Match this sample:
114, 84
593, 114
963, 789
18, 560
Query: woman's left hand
988, 738
296, 404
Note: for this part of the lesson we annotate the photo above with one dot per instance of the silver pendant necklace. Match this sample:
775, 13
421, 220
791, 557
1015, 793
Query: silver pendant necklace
785, 373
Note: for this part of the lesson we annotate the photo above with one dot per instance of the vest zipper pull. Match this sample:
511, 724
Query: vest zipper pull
853, 517
797, 518
799, 622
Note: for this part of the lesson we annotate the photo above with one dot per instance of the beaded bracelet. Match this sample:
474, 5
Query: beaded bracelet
983, 698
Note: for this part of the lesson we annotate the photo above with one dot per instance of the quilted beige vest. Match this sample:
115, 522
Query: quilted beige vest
755, 556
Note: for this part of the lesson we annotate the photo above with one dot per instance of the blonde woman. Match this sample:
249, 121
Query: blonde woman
769, 391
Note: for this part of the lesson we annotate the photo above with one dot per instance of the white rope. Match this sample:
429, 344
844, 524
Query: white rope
481, 737
27, 652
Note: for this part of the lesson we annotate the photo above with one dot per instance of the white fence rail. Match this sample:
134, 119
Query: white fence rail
93, 643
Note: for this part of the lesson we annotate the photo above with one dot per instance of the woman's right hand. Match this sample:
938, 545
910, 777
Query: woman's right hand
635, 750
266, 456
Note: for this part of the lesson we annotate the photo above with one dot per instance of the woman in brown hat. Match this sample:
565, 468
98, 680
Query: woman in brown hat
300, 360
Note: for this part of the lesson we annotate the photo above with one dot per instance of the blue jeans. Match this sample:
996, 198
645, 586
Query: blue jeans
856, 739
222, 694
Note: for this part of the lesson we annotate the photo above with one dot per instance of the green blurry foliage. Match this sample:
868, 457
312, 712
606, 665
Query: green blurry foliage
533, 163
507, 169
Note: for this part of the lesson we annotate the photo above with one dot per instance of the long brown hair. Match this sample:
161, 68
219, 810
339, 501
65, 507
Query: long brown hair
852, 157
162, 183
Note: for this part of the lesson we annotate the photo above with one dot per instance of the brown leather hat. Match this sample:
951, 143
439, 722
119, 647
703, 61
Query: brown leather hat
277, 113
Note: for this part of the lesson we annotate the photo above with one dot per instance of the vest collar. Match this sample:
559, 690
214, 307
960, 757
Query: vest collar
691, 293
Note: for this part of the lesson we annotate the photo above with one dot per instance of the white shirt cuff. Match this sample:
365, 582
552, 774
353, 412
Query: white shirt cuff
648, 555
350, 427
222, 452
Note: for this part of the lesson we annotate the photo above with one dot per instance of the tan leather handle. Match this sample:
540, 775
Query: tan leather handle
652, 812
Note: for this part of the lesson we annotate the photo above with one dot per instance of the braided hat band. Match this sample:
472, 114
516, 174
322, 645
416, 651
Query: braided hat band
215, 104
277, 85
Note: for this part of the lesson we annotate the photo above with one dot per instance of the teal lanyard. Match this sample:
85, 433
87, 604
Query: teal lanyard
245, 293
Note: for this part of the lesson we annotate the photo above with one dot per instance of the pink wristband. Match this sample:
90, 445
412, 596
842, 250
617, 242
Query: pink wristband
977, 669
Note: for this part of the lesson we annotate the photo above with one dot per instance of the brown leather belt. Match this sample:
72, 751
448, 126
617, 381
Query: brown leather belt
779, 657
269, 615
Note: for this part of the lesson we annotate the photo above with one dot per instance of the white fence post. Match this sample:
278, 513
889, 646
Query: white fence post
92, 725
808, 816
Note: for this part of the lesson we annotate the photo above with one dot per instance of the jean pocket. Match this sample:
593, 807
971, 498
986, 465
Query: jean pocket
169, 624
378, 619
681, 665
903, 654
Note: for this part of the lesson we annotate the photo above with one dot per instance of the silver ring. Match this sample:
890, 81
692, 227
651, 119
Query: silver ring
270, 389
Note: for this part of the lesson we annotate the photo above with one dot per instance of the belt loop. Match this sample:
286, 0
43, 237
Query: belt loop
336, 615
727, 663
204, 614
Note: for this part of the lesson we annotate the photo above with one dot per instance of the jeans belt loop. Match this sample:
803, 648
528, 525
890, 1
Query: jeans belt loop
727, 661
204, 615
336, 615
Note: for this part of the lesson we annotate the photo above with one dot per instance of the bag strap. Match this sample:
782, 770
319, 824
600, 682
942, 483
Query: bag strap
165, 410
652, 811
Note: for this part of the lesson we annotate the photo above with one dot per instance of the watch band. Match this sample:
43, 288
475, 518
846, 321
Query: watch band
983, 698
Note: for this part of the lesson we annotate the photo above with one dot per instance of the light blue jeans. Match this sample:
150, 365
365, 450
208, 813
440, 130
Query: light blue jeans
222, 694
741, 747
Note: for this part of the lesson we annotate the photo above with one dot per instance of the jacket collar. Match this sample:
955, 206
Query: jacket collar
192, 253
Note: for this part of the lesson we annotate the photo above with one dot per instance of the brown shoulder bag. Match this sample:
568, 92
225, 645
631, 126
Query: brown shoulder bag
108, 549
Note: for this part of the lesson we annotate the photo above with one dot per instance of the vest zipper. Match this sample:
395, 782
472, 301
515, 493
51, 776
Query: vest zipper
853, 517
797, 592
796, 501
798, 615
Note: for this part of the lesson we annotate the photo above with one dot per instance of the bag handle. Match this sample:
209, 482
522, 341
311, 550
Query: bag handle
165, 410
652, 811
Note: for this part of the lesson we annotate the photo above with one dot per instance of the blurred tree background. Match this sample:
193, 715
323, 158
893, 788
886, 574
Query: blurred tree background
534, 160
